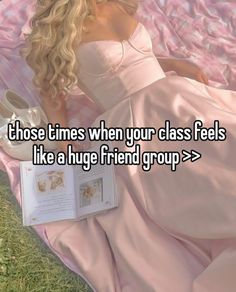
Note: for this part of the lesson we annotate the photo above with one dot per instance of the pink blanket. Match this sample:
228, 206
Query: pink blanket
203, 31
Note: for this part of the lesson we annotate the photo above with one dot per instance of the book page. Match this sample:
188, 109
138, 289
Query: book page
95, 190
47, 193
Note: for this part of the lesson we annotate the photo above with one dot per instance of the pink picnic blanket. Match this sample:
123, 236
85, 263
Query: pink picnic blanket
203, 31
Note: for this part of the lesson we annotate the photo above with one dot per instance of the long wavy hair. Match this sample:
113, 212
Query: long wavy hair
56, 30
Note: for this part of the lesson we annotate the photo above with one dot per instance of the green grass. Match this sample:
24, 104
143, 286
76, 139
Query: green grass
26, 264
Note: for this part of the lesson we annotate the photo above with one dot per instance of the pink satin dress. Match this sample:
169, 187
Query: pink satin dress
173, 231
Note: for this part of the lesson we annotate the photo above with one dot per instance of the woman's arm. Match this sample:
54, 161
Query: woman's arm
57, 116
167, 64
183, 68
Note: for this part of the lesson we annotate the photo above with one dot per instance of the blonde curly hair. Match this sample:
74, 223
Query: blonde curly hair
56, 30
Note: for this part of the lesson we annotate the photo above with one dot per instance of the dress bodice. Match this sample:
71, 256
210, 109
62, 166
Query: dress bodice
112, 70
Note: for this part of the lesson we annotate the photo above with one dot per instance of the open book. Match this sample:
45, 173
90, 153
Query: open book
61, 192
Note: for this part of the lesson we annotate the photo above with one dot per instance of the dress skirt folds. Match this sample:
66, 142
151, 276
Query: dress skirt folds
173, 231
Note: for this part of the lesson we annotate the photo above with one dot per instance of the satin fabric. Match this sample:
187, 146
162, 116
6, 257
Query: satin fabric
173, 231
185, 243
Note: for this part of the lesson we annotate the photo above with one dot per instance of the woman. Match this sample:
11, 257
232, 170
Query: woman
173, 231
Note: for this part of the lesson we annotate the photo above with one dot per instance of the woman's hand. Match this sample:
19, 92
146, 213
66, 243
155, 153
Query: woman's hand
188, 69
183, 68
58, 116
63, 146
